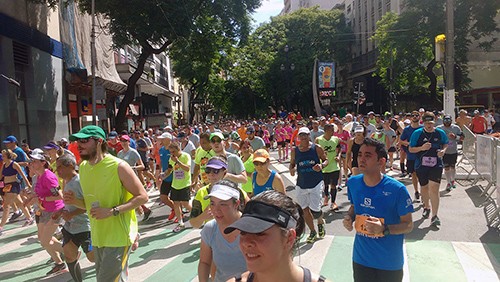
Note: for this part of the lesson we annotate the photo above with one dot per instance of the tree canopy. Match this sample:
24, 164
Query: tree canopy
406, 42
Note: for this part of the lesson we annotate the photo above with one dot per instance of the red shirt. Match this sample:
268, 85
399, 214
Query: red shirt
478, 124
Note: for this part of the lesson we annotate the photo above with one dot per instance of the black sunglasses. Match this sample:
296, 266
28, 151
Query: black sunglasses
85, 140
209, 170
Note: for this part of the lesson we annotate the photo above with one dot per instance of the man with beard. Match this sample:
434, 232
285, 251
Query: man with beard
111, 193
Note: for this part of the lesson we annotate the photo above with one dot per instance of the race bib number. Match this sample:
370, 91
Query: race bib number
179, 174
360, 225
429, 161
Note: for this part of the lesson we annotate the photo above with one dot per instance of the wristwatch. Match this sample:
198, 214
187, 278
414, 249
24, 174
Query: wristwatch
386, 230
116, 211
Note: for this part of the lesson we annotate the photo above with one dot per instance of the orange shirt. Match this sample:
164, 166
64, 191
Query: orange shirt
242, 131
478, 124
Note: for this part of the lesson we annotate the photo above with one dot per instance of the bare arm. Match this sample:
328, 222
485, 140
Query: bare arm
205, 262
279, 184
238, 178
17, 167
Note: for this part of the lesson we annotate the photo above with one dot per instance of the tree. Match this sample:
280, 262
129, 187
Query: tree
255, 72
156, 25
406, 42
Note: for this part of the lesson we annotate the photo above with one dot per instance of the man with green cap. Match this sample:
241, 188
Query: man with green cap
111, 192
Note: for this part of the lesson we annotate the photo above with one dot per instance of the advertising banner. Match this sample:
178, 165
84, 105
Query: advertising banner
326, 76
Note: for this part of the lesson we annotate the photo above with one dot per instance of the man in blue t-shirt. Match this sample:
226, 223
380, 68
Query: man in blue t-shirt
381, 210
410, 157
430, 144
166, 183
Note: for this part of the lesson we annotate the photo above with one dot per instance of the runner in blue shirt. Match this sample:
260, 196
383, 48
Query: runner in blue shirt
381, 210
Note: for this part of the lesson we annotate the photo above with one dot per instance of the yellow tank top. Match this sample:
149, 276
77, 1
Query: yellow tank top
101, 186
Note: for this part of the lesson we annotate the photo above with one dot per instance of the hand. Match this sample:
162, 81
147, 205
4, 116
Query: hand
69, 197
174, 158
101, 213
292, 171
440, 153
56, 215
67, 216
317, 167
347, 222
373, 225
426, 146
451, 135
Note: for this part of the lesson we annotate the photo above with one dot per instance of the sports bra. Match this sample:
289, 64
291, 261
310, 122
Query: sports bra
9, 170
307, 276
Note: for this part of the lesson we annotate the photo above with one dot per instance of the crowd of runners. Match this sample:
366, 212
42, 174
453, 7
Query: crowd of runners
86, 192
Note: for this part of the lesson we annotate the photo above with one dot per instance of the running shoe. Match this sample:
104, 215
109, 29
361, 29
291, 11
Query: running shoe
339, 187
435, 221
171, 216
334, 207
448, 187
417, 196
312, 237
57, 268
15, 216
147, 214
29, 222
404, 174
321, 231
426, 213
453, 185
179, 228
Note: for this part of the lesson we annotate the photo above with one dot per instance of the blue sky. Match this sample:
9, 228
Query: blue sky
269, 8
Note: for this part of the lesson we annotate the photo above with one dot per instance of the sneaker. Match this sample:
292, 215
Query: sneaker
147, 214
339, 188
404, 174
15, 216
448, 187
321, 230
426, 213
171, 216
417, 196
312, 237
435, 221
179, 228
57, 268
453, 185
334, 207
29, 222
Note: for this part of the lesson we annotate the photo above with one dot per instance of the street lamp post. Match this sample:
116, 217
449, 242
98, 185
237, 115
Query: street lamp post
287, 68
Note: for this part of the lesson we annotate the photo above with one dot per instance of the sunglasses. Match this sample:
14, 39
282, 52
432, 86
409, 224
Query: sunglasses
415, 115
214, 140
85, 140
258, 163
209, 170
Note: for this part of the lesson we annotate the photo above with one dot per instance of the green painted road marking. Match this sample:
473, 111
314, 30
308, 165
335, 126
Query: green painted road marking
337, 265
494, 249
6, 239
182, 268
433, 261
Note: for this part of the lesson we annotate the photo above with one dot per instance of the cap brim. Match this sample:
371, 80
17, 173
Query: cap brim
78, 135
260, 159
215, 166
249, 224
221, 196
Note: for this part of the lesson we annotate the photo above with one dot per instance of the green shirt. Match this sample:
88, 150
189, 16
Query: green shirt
201, 158
249, 168
181, 178
330, 147
101, 186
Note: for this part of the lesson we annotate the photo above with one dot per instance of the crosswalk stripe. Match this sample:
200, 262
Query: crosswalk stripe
474, 256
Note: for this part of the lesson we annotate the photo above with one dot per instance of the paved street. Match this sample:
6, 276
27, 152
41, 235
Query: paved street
464, 249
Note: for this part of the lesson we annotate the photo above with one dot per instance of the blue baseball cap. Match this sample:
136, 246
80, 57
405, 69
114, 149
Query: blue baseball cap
10, 139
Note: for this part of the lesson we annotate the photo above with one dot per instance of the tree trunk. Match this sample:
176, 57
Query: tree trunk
128, 95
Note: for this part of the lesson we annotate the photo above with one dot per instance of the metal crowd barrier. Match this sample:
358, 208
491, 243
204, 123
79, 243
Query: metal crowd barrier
481, 161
